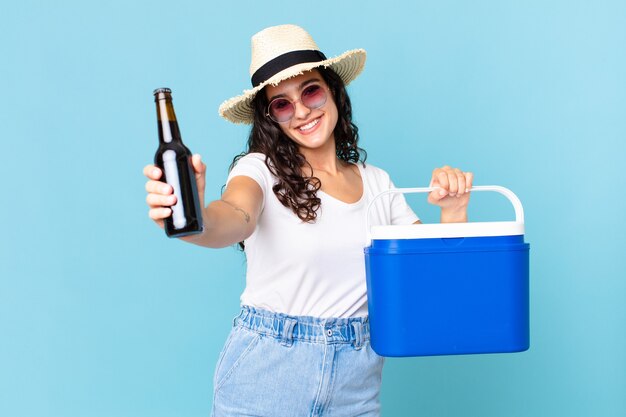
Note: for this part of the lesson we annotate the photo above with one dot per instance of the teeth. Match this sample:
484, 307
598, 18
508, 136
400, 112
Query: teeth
310, 125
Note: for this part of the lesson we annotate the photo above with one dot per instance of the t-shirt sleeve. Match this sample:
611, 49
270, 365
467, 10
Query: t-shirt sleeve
401, 212
252, 166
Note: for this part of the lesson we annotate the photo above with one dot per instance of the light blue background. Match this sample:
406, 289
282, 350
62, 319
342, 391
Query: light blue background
102, 315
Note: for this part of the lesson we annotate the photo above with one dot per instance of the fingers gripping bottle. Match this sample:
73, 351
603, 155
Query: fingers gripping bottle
174, 160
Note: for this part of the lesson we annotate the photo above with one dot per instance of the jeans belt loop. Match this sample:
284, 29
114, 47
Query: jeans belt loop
287, 337
357, 326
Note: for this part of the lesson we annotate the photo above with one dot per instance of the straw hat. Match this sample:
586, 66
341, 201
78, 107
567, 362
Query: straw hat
282, 52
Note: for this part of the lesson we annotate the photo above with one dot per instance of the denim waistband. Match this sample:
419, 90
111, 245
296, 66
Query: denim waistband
354, 330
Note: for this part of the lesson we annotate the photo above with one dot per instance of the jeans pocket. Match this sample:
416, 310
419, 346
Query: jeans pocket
220, 358
239, 344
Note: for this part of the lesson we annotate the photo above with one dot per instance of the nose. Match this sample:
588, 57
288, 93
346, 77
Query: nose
301, 111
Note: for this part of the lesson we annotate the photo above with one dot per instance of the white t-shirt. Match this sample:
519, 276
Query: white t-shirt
314, 269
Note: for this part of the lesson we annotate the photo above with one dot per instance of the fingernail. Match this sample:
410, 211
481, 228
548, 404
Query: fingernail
442, 192
155, 172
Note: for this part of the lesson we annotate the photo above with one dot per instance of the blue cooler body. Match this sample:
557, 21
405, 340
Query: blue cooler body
449, 289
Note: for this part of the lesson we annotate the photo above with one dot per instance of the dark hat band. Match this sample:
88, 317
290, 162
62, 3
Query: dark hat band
284, 61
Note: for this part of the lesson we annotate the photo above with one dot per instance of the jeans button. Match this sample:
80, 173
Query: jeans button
329, 332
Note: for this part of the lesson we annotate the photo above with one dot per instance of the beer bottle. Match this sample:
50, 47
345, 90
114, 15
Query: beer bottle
174, 160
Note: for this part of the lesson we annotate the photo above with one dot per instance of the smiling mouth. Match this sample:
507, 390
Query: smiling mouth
310, 125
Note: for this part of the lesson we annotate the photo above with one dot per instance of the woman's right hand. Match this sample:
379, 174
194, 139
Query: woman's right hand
160, 194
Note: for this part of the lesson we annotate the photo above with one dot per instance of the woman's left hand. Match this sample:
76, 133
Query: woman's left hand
453, 195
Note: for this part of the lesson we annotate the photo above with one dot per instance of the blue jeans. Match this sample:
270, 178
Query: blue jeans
277, 365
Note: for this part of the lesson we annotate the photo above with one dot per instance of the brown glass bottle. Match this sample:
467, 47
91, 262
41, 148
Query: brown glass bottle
174, 160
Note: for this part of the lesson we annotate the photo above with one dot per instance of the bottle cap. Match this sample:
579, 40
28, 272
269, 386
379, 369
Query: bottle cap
162, 90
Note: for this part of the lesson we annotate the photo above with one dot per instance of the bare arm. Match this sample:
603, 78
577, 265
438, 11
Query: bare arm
232, 218
227, 221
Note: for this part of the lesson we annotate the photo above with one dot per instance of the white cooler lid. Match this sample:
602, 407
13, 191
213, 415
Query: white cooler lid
446, 230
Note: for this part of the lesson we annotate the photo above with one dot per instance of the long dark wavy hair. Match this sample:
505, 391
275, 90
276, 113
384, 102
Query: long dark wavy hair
293, 189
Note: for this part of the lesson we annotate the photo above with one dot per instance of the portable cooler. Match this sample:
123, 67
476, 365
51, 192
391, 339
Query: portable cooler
448, 289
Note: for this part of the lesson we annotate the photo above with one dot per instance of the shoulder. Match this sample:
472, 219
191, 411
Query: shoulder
374, 173
252, 158
252, 165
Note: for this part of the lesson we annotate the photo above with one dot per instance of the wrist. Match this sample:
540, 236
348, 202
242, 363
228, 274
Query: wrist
458, 215
198, 238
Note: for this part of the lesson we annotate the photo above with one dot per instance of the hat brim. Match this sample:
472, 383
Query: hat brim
347, 65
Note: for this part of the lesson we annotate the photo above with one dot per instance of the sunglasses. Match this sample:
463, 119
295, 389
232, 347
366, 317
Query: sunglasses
282, 110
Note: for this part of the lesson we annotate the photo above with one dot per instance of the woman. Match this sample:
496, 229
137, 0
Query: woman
297, 202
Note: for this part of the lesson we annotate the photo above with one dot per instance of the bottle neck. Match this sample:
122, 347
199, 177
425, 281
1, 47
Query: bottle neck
166, 120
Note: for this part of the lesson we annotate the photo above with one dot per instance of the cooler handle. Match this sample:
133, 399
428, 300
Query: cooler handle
517, 204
